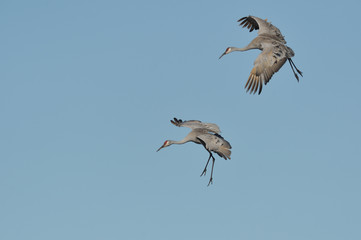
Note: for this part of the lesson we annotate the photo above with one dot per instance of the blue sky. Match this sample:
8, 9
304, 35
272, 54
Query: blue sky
87, 91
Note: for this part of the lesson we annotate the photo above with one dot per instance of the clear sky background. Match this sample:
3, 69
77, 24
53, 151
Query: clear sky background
87, 89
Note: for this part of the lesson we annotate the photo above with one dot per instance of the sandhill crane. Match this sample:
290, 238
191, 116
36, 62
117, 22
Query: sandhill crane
206, 134
274, 52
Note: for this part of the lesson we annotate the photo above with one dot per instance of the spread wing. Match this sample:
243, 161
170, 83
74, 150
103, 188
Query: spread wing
264, 28
267, 63
217, 144
195, 124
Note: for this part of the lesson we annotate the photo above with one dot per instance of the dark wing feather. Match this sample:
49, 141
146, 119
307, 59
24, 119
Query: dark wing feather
264, 28
249, 23
195, 124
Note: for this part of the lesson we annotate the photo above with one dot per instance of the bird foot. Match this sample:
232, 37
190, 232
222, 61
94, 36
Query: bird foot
204, 172
297, 77
210, 182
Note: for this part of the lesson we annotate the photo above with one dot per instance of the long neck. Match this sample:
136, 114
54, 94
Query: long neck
184, 140
252, 45
240, 49
246, 48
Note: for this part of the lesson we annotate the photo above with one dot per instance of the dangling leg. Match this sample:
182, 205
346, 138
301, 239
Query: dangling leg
299, 72
289, 60
205, 168
211, 178
213, 159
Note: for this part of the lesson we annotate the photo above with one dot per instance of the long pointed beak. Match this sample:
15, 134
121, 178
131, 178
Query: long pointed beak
222, 55
160, 148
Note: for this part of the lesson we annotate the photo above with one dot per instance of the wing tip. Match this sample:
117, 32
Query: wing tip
254, 84
176, 121
249, 22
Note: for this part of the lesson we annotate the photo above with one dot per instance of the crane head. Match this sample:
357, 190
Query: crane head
165, 144
228, 50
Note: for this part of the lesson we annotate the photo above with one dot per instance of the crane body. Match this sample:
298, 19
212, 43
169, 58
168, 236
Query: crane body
274, 54
206, 134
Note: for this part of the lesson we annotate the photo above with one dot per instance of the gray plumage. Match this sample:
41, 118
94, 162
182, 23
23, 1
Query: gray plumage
195, 124
274, 52
207, 134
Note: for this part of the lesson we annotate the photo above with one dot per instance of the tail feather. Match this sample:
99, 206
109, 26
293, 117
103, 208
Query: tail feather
224, 152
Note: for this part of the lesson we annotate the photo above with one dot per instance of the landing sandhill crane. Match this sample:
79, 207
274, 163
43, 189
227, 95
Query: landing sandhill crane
274, 52
206, 134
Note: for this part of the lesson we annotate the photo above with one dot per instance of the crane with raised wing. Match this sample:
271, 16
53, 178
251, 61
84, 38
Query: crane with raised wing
207, 134
274, 54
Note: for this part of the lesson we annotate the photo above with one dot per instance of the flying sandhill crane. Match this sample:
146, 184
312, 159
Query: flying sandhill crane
206, 134
274, 52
